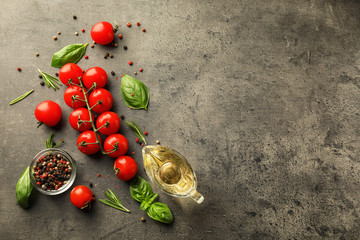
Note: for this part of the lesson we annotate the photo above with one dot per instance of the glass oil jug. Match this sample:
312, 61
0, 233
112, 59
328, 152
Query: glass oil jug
171, 172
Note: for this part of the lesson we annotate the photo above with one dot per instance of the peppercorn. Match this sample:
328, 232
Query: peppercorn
94, 42
91, 185
42, 83
144, 30
99, 175
59, 33
107, 54
145, 133
76, 33
133, 153
125, 47
86, 57
128, 24
37, 54
57, 74
83, 30
112, 73
115, 44
141, 69
122, 117
142, 144
19, 69
130, 63
120, 36
92, 45
105, 57
137, 140
111, 56
74, 17
157, 141
55, 38
135, 73
143, 219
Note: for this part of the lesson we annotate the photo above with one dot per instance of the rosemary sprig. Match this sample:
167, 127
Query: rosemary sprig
18, 99
113, 201
50, 142
49, 80
137, 130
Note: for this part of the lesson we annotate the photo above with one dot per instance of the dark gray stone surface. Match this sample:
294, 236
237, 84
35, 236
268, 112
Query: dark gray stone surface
262, 97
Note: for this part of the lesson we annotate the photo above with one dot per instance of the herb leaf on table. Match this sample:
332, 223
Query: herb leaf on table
134, 93
69, 54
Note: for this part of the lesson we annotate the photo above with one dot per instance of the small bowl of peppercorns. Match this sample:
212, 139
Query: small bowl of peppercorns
52, 171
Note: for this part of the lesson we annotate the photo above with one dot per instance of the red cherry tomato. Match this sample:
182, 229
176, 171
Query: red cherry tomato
74, 92
84, 116
125, 168
81, 197
70, 71
95, 74
104, 99
88, 137
102, 33
116, 142
111, 121
48, 112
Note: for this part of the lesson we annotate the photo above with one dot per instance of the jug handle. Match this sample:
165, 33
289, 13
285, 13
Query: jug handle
196, 196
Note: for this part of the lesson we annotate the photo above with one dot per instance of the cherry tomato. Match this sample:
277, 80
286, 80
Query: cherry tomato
48, 112
125, 168
70, 71
88, 137
104, 99
116, 142
74, 92
95, 74
81, 197
84, 116
102, 33
111, 121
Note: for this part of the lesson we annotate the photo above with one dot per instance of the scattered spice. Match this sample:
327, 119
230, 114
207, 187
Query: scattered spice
111, 56
76, 33
107, 54
107, 176
115, 44
42, 83
112, 73
57, 74
105, 57
92, 45
55, 38
145, 133
59, 33
91, 185
117, 186
137, 140
141, 69
133, 153
94, 42
131, 107
135, 73
122, 117
144, 30
143, 219
99, 175
152, 83
142, 144
132, 94
125, 47
138, 23
121, 36
74, 17
83, 30
19, 69
128, 24
157, 142
130, 63
122, 75
86, 57
40, 76
116, 78
37, 54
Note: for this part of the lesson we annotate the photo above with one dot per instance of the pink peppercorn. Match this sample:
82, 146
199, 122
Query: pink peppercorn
130, 63
86, 57
120, 36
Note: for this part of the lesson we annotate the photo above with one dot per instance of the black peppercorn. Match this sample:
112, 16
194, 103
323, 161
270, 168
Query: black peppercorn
112, 73
74, 17
125, 47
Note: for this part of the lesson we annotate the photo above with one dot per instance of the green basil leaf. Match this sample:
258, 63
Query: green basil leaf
148, 201
160, 212
23, 189
140, 189
69, 54
134, 93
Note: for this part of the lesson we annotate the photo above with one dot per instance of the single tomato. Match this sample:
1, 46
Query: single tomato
74, 97
86, 142
103, 100
81, 197
95, 75
48, 112
125, 168
102, 33
80, 114
70, 71
108, 123
116, 145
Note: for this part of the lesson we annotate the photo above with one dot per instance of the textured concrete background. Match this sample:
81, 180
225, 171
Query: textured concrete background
262, 97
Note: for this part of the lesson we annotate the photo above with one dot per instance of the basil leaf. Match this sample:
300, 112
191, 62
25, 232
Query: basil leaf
148, 201
134, 93
140, 189
69, 54
23, 189
160, 212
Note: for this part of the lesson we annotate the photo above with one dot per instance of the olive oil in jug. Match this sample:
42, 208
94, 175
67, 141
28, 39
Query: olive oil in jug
171, 172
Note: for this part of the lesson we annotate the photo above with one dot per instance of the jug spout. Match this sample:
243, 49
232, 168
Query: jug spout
196, 196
